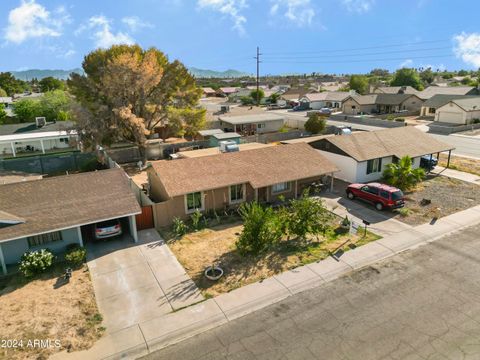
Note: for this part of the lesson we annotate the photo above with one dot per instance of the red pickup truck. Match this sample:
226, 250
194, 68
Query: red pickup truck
381, 195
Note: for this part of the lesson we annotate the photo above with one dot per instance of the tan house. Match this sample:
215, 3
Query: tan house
382, 104
218, 182
460, 111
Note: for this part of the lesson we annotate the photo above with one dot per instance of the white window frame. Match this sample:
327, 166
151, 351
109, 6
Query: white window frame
40, 240
201, 208
232, 202
287, 189
261, 126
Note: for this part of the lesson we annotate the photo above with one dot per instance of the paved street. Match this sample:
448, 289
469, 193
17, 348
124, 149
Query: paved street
468, 146
421, 304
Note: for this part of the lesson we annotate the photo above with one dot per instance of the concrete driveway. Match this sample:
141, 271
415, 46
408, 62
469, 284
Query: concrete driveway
138, 282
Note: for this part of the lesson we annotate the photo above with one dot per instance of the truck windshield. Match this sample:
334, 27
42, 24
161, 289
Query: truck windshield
397, 195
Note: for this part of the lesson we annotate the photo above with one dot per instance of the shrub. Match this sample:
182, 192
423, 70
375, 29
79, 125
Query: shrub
75, 254
390, 117
179, 227
316, 123
476, 121
262, 227
307, 216
35, 262
402, 175
400, 119
196, 218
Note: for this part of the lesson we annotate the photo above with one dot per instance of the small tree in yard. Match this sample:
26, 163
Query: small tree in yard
402, 174
261, 228
316, 123
257, 96
307, 216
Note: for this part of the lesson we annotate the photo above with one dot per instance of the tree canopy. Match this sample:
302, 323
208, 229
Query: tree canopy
257, 96
3, 93
53, 105
129, 93
11, 85
407, 77
316, 123
50, 83
359, 83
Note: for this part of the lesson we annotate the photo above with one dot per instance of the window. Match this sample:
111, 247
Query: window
431, 110
353, 107
194, 201
385, 194
237, 193
280, 187
42, 239
371, 189
260, 126
374, 166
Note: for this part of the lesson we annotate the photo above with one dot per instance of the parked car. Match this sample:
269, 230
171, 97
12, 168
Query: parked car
381, 195
428, 163
326, 111
107, 229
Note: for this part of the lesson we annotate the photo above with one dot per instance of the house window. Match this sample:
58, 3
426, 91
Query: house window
353, 107
38, 240
237, 193
260, 126
374, 166
431, 110
194, 201
281, 187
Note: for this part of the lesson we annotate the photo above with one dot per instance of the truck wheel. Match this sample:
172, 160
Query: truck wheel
379, 206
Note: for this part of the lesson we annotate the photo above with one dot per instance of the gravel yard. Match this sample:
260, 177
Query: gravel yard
447, 197
459, 163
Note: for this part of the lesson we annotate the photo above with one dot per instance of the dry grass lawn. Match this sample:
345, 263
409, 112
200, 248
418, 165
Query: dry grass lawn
36, 309
459, 163
196, 251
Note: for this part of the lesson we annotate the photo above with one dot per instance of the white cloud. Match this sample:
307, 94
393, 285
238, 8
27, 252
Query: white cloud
102, 34
232, 8
358, 6
467, 48
135, 24
406, 63
32, 20
299, 12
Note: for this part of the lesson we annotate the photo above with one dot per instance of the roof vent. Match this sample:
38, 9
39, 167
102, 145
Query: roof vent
40, 121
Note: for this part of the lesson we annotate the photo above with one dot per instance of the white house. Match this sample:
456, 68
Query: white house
459, 111
326, 99
363, 156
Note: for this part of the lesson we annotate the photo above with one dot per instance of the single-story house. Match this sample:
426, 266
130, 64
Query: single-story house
226, 91
217, 182
208, 92
430, 106
447, 90
363, 156
217, 150
326, 99
294, 94
381, 104
394, 90
251, 124
32, 139
216, 139
57, 211
459, 111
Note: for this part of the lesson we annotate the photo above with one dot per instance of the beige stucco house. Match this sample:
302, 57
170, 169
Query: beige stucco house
459, 111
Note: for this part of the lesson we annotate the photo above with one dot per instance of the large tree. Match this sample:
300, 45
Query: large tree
53, 105
359, 83
12, 85
127, 93
50, 83
407, 77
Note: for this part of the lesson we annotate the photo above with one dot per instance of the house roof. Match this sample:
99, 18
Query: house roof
226, 135
248, 119
328, 96
446, 90
216, 150
391, 99
396, 89
441, 99
228, 90
259, 167
470, 104
6, 100
364, 99
11, 129
208, 90
209, 132
399, 142
66, 201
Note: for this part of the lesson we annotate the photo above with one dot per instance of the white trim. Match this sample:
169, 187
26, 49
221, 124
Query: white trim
68, 227
80, 237
289, 187
2, 261
202, 196
244, 197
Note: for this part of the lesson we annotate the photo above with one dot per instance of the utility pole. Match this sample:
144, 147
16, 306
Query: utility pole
258, 74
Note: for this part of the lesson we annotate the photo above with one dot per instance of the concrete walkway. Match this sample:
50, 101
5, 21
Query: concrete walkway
171, 328
455, 174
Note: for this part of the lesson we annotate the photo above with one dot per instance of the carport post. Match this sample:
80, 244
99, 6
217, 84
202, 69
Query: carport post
448, 161
2, 261
133, 227
80, 238
331, 182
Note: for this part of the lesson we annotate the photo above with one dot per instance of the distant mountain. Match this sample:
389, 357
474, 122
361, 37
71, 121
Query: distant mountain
40, 74
64, 74
202, 73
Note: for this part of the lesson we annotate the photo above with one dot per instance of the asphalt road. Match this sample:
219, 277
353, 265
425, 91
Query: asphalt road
422, 304
469, 146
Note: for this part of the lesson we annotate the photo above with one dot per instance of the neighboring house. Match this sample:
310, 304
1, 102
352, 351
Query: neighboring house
447, 90
28, 138
326, 99
208, 92
238, 94
294, 94
430, 106
381, 104
218, 182
363, 156
27, 95
394, 90
57, 211
217, 150
226, 91
251, 124
459, 111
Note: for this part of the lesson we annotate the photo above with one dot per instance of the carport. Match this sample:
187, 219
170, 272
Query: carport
128, 223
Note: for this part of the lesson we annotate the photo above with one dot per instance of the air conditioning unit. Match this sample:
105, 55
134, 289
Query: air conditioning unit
40, 121
228, 146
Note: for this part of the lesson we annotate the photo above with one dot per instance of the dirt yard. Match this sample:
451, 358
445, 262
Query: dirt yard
447, 197
471, 166
48, 309
196, 251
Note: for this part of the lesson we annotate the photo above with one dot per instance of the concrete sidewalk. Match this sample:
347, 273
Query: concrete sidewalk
455, 174
174, 327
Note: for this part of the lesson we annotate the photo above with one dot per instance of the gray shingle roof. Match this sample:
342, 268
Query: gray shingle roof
441, 99
248, 119
471, 104
26, 128
447, 90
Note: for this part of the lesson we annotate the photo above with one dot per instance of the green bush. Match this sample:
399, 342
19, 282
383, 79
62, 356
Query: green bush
400, 119
390, 117
196, 218
35, 262
75, 254
307, 216
179, 227
476, 121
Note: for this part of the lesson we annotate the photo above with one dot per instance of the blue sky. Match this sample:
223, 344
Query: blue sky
295, 36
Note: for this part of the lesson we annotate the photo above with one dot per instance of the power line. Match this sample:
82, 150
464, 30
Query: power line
356, 61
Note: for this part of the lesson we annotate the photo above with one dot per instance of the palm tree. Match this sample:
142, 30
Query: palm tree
402, 175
